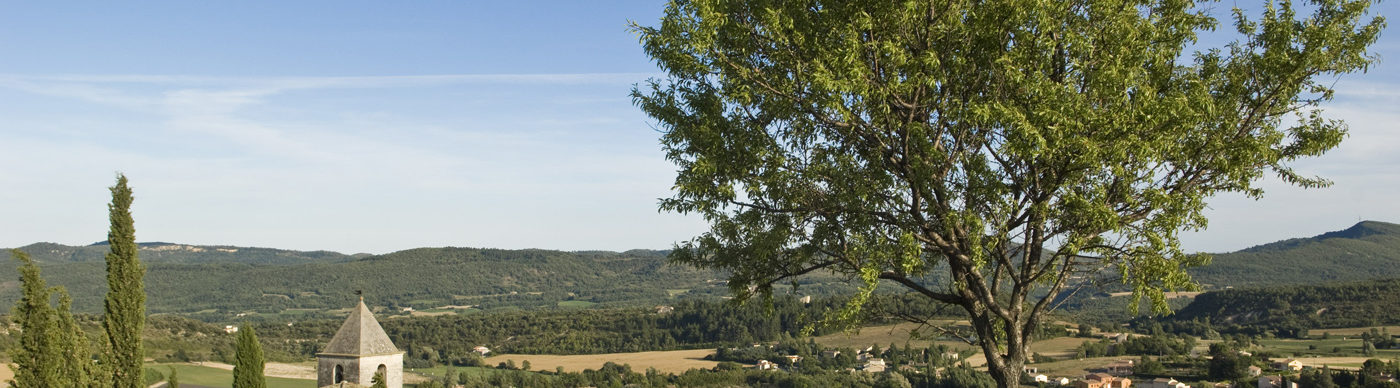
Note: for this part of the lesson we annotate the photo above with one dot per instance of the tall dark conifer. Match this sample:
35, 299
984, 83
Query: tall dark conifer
76, 359
37, 358
125, 307
248, 361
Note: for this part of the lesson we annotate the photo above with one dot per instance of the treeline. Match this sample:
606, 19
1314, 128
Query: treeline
1288, 311
689, 324
724, 375
1157, 344
692, 324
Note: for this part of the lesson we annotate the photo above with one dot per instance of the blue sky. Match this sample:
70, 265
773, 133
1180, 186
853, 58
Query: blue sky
375, 127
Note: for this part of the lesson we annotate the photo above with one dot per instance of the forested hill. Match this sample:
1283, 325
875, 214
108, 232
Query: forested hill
1367, 250
1285, 308
422, 278
159, 252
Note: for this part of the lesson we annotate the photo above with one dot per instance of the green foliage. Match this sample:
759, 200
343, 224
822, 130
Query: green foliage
173, 380
150, 376
906, 140
38, 358
124, 313
378, 380
450, 339
1227, 364
1149, 367
1289, 310
248, 361
75, 359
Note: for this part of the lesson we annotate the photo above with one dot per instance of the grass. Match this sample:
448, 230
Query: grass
215, 377
676, 291
575, 303
441, 370
1351, 330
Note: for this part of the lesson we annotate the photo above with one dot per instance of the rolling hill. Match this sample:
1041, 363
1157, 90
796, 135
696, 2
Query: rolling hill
1367, 250
423, 278
223, 280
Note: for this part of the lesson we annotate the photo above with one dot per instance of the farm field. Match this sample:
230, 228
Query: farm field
899, 334
1352, 330
883, 336
671, 361
210, 376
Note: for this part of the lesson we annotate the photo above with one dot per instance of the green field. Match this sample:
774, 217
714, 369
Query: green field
575, 303
1323, 347
215, 377
439, 371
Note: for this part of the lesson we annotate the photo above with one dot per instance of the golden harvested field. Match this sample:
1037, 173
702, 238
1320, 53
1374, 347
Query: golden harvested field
899, 334
1351, 363
673, 361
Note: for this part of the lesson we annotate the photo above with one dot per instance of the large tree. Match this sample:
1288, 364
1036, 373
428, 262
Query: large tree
52, 349
248, 361
125, 306
982, 154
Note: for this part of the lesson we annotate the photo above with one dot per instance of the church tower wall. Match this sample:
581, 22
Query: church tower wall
357, 351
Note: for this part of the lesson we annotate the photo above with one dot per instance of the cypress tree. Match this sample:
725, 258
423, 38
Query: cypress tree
125, 306
37, 358
377, 381
174, 380
76, 364
248, 360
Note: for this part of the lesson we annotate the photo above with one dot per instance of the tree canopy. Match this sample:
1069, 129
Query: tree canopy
982, 153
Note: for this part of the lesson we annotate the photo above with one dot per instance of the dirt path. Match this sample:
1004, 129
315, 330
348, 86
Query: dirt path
6, 374
273, 369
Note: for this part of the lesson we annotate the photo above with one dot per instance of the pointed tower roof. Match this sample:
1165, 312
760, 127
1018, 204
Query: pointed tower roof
360, 335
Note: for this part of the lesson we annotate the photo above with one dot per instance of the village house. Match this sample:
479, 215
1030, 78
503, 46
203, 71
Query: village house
1255, 371
230, 329
830, 353
1103, 380
1163, 382
1040, 378
766, 365
1063, 381
874, 365
1119, 368
1289, 364
1115, 337
1275, 382
662, 310
793, 359
481, 350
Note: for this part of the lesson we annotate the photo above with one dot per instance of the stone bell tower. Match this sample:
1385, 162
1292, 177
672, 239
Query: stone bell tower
359, 350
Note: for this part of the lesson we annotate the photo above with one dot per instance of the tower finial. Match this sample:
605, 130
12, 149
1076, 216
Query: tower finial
361, 294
